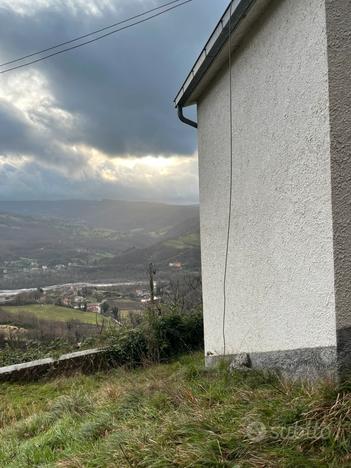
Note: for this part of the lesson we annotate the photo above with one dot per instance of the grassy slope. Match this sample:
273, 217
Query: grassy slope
170, 415
184, 242
52, 312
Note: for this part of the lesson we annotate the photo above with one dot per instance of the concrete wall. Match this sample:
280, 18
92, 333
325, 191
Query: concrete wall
339, 61
280, 292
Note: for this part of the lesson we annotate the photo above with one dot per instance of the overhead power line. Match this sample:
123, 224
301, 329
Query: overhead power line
56, 46
175, 4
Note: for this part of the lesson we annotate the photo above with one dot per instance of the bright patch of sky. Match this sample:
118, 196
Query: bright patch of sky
99, 122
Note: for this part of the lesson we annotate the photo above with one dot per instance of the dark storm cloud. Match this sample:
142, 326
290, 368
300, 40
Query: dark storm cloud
120, 89
15, 134
19, 137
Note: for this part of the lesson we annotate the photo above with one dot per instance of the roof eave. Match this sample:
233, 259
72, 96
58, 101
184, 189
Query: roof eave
215, 51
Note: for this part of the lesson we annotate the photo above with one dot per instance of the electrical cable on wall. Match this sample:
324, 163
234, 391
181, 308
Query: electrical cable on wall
230, 182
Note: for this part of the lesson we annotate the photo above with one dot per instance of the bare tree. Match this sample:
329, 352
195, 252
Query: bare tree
184, 293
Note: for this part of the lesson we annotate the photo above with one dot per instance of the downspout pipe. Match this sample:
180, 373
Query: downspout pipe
184, 119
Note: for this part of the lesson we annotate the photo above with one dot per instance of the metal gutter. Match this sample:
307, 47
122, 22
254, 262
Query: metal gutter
185, 119
213, 47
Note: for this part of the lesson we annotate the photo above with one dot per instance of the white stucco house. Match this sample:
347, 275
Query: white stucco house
273, 93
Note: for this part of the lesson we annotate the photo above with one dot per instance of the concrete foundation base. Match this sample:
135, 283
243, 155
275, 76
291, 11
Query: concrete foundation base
305, 363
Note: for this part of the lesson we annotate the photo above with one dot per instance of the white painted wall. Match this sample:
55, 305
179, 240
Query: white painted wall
281, 273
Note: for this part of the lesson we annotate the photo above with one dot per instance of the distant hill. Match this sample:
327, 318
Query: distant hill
45, 243
107, 214
182, 244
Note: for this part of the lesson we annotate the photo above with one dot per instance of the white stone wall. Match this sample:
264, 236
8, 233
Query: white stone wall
281, 273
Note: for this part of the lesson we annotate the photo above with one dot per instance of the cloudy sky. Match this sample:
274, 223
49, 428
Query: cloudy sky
99, 122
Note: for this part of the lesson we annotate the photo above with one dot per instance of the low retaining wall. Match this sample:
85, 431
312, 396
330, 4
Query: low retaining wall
86, 361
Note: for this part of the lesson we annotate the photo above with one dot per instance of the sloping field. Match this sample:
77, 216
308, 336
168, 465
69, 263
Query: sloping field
174, 415
52, 312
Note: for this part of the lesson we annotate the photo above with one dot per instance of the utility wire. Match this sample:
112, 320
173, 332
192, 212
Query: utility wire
89, 34
230, 184
96, 38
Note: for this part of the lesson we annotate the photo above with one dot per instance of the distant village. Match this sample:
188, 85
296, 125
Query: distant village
29, 265
30, 272
107, 299
81, 299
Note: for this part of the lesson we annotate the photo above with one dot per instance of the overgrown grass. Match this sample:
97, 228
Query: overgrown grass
176, 414
33, 350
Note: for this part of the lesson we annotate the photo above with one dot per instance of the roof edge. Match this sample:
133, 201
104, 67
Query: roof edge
235, 12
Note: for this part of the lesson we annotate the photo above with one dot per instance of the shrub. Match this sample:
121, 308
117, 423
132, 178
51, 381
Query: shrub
157, 338
173, 333
128, 347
